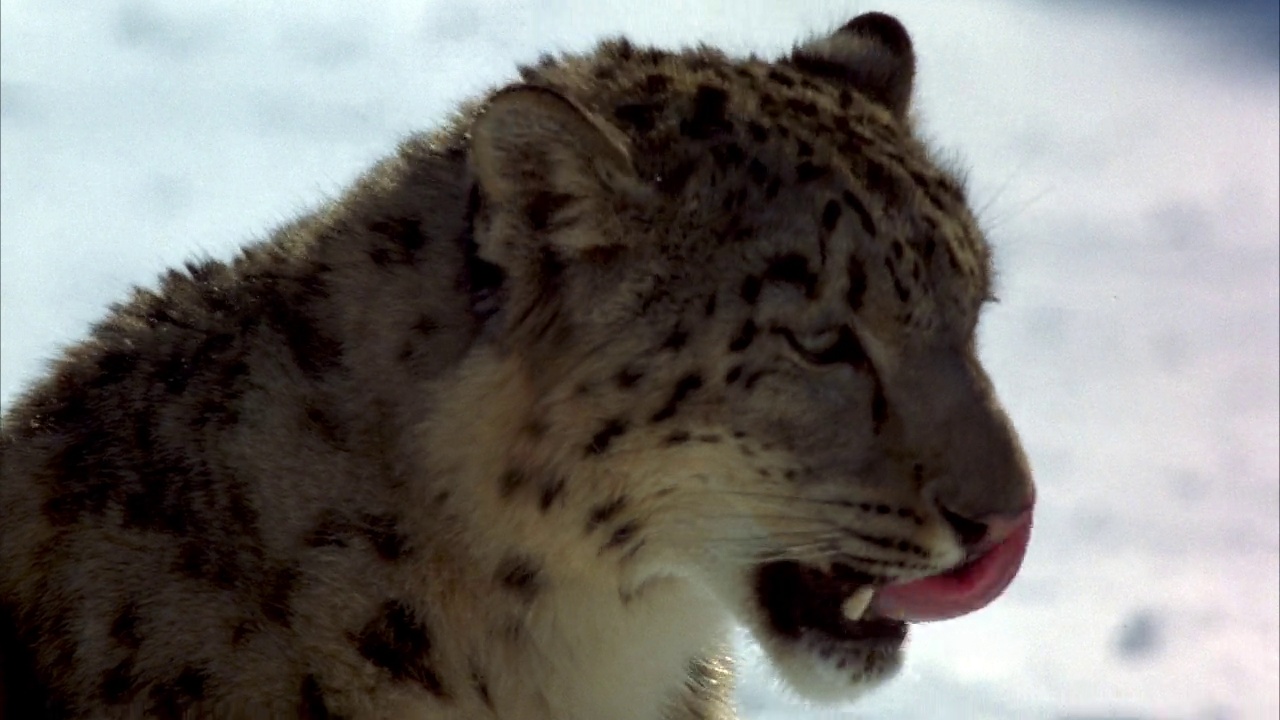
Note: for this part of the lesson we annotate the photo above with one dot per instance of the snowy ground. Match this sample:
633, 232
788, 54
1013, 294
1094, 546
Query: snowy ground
1126, 162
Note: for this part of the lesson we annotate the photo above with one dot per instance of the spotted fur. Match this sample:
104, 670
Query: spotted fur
505, 431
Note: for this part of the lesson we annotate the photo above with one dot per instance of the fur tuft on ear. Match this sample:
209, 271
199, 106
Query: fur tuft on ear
543, 164
872, 52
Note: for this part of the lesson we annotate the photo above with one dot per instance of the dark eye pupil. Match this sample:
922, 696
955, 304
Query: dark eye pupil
845, 349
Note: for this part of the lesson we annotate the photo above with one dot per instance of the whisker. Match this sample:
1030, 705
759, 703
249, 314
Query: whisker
862, 504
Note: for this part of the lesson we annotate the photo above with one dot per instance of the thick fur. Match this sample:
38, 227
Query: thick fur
506, 430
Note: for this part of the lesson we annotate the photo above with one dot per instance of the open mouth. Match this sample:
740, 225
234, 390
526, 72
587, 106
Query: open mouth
845, 608
830, 606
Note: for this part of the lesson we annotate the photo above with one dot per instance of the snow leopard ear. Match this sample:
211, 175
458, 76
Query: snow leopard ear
551, 173
872, 52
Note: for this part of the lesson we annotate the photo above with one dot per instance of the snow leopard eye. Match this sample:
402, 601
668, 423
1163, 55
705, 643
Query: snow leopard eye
827, 347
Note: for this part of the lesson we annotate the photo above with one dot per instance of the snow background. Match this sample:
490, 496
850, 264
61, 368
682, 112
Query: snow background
1126, 161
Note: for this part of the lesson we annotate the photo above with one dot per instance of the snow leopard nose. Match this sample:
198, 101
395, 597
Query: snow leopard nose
977, 534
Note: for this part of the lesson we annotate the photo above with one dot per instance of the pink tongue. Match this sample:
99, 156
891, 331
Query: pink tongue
961, 591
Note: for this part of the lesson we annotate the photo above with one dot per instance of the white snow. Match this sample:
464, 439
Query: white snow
1127, 165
